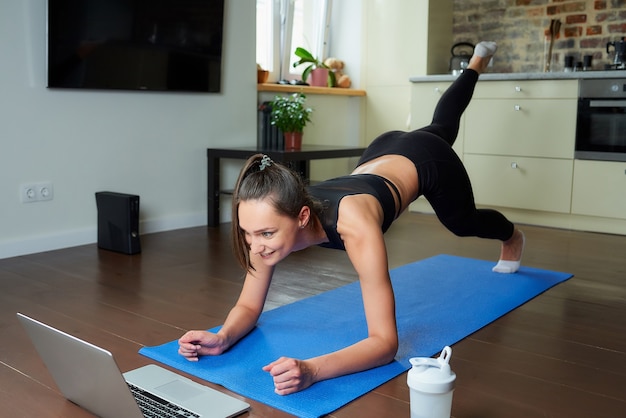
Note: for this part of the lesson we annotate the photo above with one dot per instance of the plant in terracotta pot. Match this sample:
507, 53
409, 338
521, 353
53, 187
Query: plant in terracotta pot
290, 115
321, 74
261, 74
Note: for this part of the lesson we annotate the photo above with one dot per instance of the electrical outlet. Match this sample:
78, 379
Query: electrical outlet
28, 193
45, 191
36, 192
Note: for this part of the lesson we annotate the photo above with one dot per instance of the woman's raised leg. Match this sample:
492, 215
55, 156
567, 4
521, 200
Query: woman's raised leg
454, 101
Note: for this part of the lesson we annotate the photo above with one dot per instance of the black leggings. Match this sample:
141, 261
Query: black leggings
443, 179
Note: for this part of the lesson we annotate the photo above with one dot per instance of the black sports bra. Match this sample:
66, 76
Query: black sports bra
330, 193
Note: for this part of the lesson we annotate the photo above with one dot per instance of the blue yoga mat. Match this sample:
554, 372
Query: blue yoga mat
439, 301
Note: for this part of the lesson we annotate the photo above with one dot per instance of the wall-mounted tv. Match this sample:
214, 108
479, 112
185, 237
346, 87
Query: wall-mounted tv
154, 45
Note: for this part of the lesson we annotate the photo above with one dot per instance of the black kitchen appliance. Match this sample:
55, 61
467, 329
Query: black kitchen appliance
601, 120
460, 57
619, 48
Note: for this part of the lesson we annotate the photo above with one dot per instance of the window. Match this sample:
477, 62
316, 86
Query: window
267, 36
283, 25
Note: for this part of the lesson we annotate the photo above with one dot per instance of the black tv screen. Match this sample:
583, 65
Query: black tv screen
156, 45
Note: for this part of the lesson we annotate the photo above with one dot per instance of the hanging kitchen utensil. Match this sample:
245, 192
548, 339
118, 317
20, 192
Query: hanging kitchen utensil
555, 28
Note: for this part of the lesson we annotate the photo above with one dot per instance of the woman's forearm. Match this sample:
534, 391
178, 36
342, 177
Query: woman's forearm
363, 355
239, 322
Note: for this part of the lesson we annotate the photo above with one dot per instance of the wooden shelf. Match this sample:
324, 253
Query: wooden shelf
288, 88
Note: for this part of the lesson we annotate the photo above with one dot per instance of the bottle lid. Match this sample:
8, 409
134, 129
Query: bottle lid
431, 375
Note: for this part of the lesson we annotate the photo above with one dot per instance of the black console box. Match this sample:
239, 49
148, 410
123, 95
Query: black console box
118, 222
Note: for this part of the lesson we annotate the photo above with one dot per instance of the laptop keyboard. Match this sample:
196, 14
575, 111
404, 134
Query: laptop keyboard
153, 406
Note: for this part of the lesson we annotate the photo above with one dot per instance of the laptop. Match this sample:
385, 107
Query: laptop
89, 376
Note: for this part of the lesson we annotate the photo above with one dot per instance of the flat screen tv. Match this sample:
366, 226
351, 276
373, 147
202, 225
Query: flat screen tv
154, 45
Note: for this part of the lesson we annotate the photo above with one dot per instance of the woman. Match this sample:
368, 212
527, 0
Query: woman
274, 214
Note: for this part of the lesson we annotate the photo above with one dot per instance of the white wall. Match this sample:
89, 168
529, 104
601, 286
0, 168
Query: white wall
402, 38
154, 144
346, 37
150, 144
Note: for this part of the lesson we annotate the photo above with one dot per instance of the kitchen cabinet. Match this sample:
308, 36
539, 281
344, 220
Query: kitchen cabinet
521, 182
519, 144
529, 127
599, 189
526, 89
525, 118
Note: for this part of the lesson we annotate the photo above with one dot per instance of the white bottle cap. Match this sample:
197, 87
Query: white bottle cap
430, 375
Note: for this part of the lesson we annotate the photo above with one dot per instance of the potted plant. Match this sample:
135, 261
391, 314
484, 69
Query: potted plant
290, 115
320, 72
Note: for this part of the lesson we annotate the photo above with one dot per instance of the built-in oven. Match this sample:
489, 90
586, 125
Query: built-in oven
601, 120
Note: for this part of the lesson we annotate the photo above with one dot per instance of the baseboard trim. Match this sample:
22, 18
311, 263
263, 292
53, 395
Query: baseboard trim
65, 239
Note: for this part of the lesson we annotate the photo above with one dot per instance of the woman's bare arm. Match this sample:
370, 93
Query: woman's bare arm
241, 319
360, 229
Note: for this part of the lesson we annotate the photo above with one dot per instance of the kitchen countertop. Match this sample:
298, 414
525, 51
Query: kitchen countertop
575, 75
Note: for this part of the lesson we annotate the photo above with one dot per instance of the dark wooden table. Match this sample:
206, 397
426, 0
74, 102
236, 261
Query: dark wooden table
297, 159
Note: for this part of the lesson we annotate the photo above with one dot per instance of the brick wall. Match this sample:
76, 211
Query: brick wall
521, 28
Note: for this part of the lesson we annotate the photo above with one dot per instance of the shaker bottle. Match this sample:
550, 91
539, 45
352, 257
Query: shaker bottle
431, 383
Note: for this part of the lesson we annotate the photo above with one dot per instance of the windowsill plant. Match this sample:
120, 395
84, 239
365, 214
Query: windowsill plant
314, 64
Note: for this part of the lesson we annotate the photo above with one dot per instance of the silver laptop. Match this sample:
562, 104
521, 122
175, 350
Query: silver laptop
88, 376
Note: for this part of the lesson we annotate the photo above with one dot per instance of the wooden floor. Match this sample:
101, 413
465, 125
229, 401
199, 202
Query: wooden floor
560, 355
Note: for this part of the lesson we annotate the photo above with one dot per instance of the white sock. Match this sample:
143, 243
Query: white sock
509, 266
506, 266
485, 49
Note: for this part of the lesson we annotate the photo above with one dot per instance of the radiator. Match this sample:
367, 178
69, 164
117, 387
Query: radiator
269, 136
